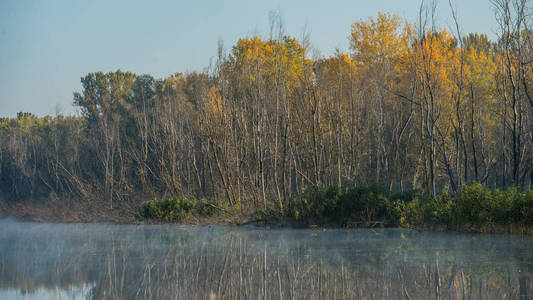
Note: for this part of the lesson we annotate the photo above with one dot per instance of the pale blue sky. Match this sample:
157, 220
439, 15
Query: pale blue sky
46, 46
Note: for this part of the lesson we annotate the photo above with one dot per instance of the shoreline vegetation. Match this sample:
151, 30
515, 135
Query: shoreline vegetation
474, 209
413, 127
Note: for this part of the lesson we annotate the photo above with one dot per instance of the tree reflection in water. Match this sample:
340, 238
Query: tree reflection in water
98, 261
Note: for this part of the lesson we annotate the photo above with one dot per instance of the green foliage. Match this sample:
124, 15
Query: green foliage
178, 209
474, 207
344, 207
174, 209
478, 206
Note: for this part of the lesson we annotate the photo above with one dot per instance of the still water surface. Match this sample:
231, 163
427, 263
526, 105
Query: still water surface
98, 261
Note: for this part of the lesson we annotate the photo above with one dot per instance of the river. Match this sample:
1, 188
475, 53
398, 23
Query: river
103, 261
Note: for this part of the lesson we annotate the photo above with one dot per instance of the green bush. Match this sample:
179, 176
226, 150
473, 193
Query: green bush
478, 206
174, 209
343, 207
177, 209
473, 206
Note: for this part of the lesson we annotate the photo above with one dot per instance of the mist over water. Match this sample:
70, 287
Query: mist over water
95, 261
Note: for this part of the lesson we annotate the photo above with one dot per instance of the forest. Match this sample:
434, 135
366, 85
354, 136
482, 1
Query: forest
409, 107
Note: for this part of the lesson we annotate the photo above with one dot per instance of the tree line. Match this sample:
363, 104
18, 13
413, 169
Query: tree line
410, 106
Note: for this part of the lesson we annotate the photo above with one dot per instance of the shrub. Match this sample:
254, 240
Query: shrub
174, 209
341, 207
178, 209
471, 205
474, 206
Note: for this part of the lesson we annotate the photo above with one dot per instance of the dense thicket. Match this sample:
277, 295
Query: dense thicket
473, 208
411, 107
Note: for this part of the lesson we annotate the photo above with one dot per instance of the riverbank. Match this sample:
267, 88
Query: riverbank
56, 210
45, 214
473, 209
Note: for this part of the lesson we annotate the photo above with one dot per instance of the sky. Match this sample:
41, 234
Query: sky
47, 46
